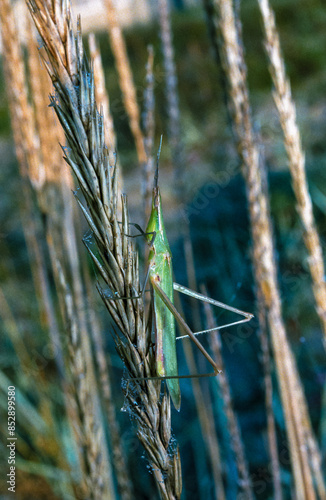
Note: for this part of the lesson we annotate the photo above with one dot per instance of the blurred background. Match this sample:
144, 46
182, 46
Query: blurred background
212, 204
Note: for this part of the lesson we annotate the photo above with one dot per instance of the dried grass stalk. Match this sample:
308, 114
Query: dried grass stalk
233, 426
58, 201
85, 417
114, 256
118, 455
95, 483
81, 396
27, 151
171, 92
26, 141
292, 140
11, 328
271, 426
263, 249
205, 417
126, 79
19, 107
46, 125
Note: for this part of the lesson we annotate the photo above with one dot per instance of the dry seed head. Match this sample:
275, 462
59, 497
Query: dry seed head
115, 258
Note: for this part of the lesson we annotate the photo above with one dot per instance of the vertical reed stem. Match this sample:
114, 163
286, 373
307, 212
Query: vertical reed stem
292, 140
263, 248
171, 92
233, 426
126, 80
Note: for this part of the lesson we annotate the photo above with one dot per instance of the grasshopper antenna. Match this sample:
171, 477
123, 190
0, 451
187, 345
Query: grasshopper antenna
157, 163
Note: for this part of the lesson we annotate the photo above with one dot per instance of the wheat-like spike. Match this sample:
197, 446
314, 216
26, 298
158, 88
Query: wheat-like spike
84, 395
292, 140
75, 106
46, 125
263, 248
21, 110
87, 431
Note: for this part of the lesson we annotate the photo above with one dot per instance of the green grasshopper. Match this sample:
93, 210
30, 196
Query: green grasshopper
160, 275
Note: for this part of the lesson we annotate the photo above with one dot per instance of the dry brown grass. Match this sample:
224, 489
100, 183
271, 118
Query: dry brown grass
233, 425
80, 393
171, 95
263, 248
126, 79
292, 141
